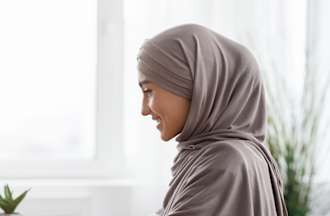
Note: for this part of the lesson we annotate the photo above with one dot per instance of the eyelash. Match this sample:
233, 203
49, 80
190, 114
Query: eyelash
147, 91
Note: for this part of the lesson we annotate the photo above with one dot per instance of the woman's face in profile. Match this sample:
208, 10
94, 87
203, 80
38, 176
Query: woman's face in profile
169, 110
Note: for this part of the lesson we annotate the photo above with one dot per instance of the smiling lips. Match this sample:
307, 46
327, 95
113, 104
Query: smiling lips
157, 119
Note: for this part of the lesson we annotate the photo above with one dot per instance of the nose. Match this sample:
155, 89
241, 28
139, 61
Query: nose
145, 109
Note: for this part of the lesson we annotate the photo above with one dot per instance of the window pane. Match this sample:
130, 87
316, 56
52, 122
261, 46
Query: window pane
47, 78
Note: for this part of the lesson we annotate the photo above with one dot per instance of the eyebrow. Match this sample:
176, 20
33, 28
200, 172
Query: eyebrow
143, 82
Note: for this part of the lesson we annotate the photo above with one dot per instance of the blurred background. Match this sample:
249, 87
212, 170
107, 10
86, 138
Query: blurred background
70, 122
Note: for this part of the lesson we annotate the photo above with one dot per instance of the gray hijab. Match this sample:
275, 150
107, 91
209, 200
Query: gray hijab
227, 119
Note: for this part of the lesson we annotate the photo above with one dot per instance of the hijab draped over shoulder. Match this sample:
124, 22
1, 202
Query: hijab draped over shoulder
222, 167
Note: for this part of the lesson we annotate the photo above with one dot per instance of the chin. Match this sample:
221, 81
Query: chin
166, 138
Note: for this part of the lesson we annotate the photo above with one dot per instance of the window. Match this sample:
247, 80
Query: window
57, 87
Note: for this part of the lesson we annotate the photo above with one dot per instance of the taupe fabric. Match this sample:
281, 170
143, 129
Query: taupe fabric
222, 167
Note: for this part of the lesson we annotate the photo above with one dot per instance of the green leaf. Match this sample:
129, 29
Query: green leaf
8, 193
4, 206
4, 200
20, 198
7, 203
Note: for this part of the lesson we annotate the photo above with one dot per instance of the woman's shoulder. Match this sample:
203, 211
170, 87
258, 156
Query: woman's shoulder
227, 155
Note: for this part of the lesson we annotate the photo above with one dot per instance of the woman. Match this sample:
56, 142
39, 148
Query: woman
206, 90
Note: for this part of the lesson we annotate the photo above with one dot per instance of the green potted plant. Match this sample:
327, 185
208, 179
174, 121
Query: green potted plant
294, 131
8, 203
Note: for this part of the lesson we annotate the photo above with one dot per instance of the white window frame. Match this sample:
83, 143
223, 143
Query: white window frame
108, 161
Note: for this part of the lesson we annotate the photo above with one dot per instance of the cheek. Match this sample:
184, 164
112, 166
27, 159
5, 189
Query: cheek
156, 106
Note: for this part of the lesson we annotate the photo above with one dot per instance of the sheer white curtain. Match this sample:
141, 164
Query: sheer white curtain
273, 30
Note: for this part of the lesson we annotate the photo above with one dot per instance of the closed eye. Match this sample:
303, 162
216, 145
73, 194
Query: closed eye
146, 91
